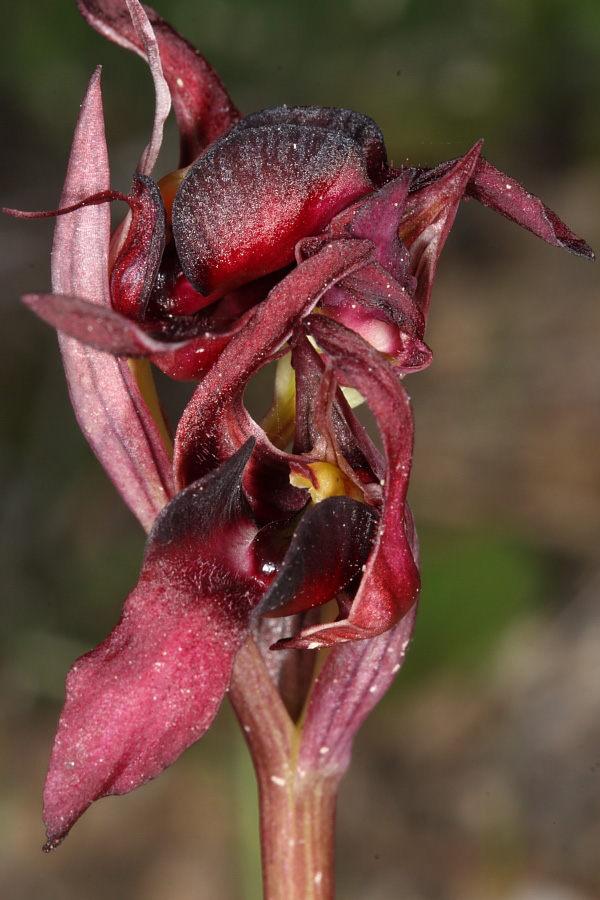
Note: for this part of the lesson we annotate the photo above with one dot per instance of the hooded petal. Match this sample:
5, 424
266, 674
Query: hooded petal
154, 685
363, 130
107, 401
202, 106
390, 583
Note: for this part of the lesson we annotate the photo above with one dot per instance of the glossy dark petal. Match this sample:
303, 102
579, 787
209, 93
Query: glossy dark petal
328, 549
202, 105
390, 583
252, 196
353, 679
360, 128
154, 685
106, 399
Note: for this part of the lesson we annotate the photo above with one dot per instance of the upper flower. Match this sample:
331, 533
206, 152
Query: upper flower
257, 196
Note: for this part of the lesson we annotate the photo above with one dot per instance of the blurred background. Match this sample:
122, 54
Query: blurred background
479, 775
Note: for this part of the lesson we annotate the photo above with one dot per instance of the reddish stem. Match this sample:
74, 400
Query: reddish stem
297, 809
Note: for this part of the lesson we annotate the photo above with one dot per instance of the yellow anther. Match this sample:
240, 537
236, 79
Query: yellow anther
327, 481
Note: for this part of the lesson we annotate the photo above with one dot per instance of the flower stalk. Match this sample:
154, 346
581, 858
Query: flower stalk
297, 807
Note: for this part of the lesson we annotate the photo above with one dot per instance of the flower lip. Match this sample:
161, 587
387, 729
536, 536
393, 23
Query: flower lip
245, 204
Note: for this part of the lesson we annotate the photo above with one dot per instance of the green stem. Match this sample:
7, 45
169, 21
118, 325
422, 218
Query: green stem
297, 809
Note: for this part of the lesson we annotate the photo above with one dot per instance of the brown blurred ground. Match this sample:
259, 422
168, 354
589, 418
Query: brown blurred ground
479, 777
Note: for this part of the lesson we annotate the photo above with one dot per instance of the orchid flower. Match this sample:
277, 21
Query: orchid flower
283, 237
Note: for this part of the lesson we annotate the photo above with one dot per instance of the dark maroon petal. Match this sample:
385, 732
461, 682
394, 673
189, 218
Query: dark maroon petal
505, 195
202, 105
201, 443
328, 549
390, 584
154, 685
252, 196
360, 128
134, 271
107, 401
95, 326
428, 218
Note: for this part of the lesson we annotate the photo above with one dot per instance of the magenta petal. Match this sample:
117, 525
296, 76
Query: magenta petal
202, 105
505, 195
107, 401
328, 549
390, 584
154, 685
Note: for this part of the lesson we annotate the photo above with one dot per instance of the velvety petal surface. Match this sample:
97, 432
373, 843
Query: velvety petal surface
154, 685
245, 204
108, 403
363, 130
202, 105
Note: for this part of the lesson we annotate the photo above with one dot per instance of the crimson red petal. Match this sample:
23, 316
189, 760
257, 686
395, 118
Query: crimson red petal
429, 213
154, 685
202, 105
245, 204
136, 266
96, 326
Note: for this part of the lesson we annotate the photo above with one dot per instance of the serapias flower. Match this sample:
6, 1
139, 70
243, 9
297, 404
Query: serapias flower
261, 533
283, 237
